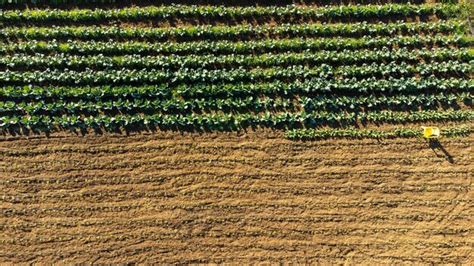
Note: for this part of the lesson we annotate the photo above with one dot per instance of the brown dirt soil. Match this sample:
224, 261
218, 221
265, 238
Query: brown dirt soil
234, 198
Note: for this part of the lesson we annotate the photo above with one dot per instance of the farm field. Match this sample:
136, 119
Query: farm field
179, 132
229, 68
235, 198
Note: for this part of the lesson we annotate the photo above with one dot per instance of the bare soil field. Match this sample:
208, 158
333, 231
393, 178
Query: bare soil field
234, 198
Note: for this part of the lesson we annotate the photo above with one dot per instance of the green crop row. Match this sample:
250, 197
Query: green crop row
447, 68
86, 93
228, 47
166, 12
238, 32
146, 106
308, 87
318, 86
249, 104
345, 57
310, 104
224, 121
354, 133
55, 2
131, 2
191, 76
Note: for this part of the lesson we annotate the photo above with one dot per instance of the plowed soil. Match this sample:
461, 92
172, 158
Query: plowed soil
234, 198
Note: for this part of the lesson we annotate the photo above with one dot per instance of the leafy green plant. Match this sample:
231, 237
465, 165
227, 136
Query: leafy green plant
232, 32
345, 57
229, 47
225, 121
360, 12
309, 88
354, 133
193, 76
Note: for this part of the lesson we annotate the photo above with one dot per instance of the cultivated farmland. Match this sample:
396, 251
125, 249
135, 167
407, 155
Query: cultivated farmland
236, 132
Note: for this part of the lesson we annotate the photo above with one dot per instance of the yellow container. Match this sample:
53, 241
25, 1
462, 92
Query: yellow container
431, 132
